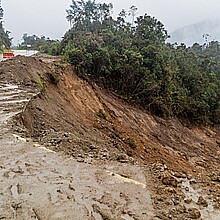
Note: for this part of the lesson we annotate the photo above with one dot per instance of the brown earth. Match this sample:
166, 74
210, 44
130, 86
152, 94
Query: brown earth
177, 165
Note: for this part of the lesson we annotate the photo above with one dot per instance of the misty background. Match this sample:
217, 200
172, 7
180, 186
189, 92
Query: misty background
185, 20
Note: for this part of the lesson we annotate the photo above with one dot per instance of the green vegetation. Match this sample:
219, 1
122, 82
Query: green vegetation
33, 41
43, 44
131, 142
40, 83
129, 153
102, 114
51, 47
5, 40
134, 60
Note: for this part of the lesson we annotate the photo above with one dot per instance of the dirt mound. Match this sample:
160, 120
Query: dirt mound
22, 70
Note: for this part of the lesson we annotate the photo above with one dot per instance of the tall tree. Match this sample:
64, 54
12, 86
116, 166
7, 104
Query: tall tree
133, 13
134, 60
82, 14
1, 14
5, 40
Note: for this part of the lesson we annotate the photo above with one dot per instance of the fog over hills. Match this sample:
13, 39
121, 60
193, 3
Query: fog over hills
194, 33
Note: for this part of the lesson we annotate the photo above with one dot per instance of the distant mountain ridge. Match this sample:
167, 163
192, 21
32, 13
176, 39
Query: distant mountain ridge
194, 33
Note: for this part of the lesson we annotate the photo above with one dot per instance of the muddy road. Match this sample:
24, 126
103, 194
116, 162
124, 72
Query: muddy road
37, 183
66, 152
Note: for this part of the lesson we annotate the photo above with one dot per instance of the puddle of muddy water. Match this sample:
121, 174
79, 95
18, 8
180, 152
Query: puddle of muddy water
190, 193
207, 213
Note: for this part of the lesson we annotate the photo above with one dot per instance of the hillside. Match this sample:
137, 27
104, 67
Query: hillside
194, 33
98, 157
74, 106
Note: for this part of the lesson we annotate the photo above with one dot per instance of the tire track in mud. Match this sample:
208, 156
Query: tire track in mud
39, 184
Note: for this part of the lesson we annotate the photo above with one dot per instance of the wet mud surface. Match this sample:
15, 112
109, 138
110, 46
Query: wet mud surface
37, 183
42, 185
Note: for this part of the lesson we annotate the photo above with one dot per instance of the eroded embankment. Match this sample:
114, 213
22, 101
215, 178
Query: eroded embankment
72, 115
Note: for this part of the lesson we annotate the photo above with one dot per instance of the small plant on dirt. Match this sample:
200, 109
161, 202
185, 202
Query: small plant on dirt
102, 114
129, 153
40, 83
131, 142
60, 65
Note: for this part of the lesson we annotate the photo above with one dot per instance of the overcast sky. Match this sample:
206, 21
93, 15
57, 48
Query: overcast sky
47, 17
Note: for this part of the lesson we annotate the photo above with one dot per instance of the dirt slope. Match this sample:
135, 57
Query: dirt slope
92, 116
178, 167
